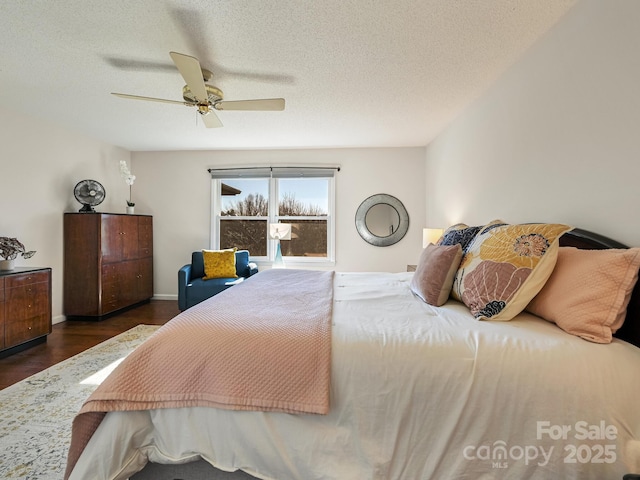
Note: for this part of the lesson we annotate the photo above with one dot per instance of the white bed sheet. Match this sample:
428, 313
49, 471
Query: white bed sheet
418, 392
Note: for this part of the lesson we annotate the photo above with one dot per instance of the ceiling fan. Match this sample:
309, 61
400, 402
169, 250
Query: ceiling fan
205, 97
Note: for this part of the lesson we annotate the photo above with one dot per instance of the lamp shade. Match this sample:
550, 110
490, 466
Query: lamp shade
431, 235
280, 231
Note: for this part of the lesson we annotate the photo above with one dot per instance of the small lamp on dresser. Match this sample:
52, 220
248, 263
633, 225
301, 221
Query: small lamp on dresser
431, 235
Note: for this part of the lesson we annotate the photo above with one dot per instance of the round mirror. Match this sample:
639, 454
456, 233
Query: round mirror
382, 220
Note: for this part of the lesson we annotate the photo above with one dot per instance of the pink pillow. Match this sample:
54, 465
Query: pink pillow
588, 291
433, 278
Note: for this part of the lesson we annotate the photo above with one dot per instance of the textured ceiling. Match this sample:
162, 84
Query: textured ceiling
353, 72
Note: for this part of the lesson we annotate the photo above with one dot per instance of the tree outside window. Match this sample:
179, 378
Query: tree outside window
248, 205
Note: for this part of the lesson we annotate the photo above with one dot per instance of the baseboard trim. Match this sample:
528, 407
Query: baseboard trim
165, 296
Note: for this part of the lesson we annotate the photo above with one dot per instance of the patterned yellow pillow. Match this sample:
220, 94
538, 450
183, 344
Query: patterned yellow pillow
463, 235
505, 267
219, 263
459, 234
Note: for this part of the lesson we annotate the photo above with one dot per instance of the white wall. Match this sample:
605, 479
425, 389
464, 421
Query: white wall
175, 188
556, 138
40, 163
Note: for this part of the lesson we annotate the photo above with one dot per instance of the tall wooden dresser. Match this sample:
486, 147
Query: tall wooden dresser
25, 308
108, 263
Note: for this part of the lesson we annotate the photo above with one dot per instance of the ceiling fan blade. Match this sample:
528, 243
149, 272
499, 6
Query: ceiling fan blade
211, 120
266, 104
139, 65
191, 71
151, 99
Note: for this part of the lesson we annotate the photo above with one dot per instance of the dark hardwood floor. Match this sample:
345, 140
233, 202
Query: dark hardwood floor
72, 337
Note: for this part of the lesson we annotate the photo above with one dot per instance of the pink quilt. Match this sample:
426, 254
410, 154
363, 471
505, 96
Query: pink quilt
264, 344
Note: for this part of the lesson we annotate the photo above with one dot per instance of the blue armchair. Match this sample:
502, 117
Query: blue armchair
192, 289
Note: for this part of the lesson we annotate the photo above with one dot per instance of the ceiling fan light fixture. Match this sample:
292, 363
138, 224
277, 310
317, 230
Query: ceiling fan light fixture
214, 94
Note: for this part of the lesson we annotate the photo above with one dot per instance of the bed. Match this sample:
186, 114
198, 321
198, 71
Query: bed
417, 391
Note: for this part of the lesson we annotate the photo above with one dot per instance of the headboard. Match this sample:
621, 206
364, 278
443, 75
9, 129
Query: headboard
630, 331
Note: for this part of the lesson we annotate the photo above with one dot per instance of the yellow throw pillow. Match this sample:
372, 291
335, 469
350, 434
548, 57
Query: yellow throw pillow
219, 263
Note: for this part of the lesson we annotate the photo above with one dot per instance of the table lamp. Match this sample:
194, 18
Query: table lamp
277, 232
431, 235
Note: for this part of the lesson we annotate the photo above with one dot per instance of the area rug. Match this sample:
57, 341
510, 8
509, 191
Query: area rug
36, 413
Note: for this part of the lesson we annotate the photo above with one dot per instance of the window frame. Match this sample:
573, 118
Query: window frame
272, 214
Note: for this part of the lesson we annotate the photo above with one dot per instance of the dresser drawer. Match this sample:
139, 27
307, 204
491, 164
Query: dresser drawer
26, 279
1, 289
28, 293
110, 299
26, 301
27, 329
110, 273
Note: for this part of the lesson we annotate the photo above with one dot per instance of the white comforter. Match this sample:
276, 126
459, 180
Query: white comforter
418, 392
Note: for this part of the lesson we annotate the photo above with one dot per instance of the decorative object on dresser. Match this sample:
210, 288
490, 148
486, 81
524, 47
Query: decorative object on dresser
10, 248
129, 178
25, 308
108, 263
89, 193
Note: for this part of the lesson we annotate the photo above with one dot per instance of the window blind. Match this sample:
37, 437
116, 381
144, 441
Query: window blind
276, 172
248, 172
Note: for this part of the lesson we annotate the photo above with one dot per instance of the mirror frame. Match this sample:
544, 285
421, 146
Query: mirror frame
382, 199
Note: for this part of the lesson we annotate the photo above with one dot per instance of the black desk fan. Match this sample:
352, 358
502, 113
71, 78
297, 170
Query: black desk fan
89, 193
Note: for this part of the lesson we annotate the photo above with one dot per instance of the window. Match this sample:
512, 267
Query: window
246, 201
